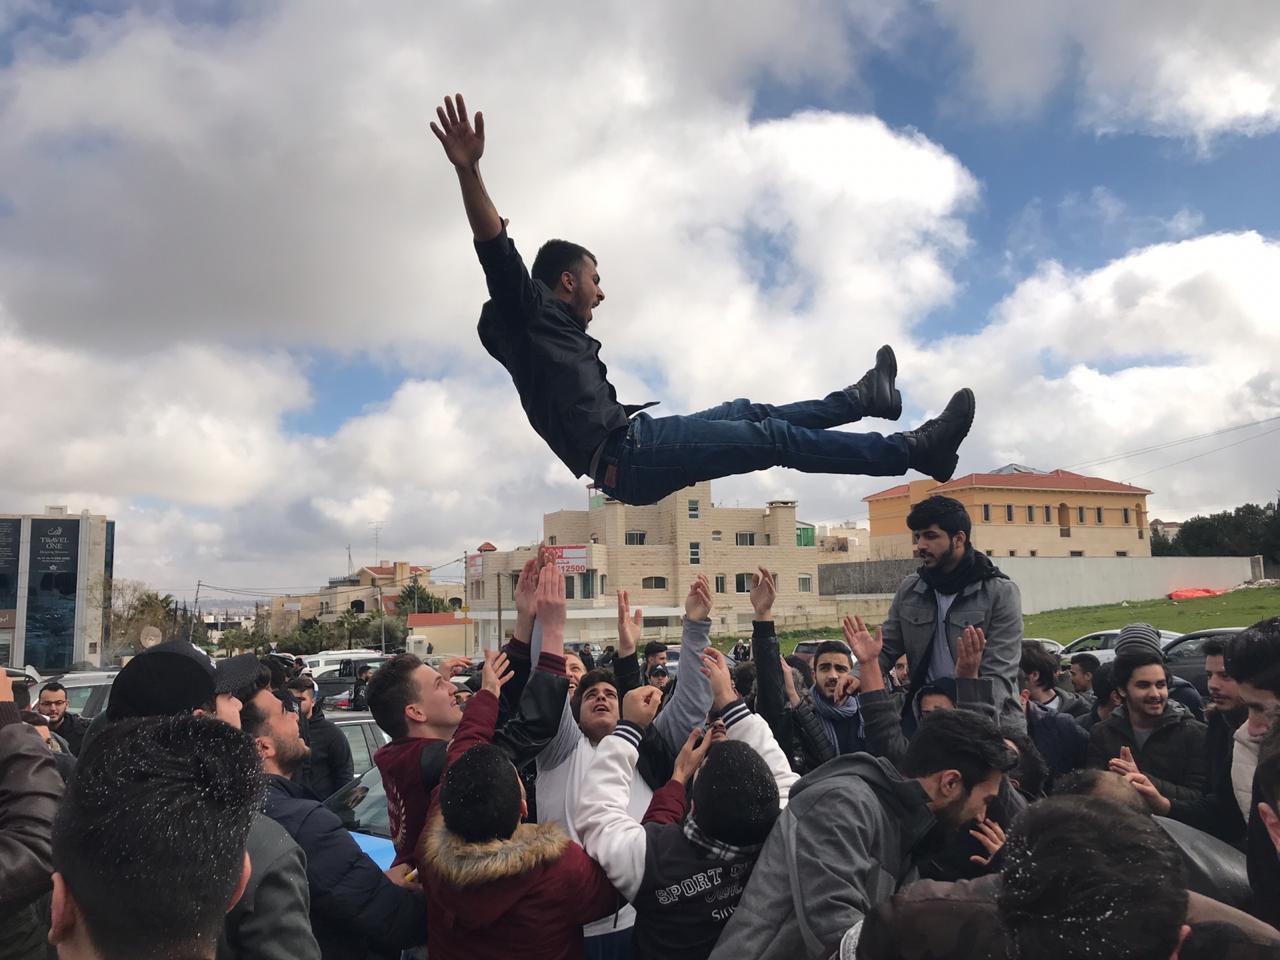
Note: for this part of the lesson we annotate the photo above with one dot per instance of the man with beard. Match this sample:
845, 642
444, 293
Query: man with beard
1149, 734
854, 831
955, 587
356, 910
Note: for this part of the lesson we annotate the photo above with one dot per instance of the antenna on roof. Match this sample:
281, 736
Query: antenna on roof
377, 533
351, 567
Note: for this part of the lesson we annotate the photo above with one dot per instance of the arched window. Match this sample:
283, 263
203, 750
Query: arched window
654, 583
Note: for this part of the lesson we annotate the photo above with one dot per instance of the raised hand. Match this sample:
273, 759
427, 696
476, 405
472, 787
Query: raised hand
496, 671
454, 666
691, 755
641, 705
551, 607
527, 596
463, 144
763, 593
1156, 801
629, 625
991, 836
715, 667
865, 647
969, 653
1123, 764
697, 606
846, 688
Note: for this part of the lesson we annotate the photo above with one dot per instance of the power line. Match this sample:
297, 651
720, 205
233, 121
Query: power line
1112, 458
1228, 446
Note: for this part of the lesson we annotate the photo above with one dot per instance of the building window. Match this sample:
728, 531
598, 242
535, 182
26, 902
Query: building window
768, 539
1031, 514
551, 541
1098, 514
806, 584
720, 582
588, 585
1034, 553
1126, 516
604, 585
694, 512
653, 583
986, 513
1077, 553
745, 539
695, 553
1048, 514
1008, 513
716, 536
1122, 553
742, 583
805, 537
515, 583
1080, 514
568, 587
1013, 553
991, 553
635, 538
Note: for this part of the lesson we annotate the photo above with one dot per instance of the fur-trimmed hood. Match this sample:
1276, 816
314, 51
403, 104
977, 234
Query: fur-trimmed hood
463, 865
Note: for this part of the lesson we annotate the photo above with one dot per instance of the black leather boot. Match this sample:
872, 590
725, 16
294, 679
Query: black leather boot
933, 444
880, 398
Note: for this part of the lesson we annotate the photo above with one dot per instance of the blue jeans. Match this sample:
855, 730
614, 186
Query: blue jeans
660, 455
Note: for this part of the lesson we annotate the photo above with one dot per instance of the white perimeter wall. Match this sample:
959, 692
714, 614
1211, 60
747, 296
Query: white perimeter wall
1055, 583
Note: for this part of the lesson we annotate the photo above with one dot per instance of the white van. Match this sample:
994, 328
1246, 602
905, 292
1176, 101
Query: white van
328, 659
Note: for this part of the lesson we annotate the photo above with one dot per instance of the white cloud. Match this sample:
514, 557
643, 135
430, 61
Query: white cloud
1178, 68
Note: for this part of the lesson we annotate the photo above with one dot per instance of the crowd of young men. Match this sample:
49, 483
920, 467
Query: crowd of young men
978, 803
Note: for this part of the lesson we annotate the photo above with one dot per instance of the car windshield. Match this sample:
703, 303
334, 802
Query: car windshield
362, 805
673, 654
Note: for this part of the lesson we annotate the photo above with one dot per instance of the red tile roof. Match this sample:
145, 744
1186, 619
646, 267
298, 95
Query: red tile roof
387, 570
487, 547
1053, 480
435, 619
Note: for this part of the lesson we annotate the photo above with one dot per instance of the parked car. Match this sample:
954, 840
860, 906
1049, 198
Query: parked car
337, 683
364, 736
673, 661
805, 650
87, 692
1185, 656
362, 807
1102, 645
1053, 646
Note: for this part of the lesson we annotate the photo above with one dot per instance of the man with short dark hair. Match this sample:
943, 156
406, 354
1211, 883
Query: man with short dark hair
655, 654
71, 727
1083, 667
271, 921
329, 765
1041, 671
1105, 696
1148, 734
536, 327
852, 832
955, 587
1112, 870
356, 910
835, 697
360, 689
1060, 740
149, 846
685, 876
1253, 661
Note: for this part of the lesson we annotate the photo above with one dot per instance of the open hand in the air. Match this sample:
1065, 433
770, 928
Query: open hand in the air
463, 144
865, 647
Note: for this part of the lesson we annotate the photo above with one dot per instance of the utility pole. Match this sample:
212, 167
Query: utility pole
377, 533
498, 577
191, 629
382, 620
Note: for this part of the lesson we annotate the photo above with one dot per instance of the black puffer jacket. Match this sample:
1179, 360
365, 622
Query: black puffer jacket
1172, 759
1215, 811
356, 911
797, 729
329, 767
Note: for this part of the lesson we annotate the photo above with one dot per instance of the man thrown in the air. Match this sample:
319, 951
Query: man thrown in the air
536, 327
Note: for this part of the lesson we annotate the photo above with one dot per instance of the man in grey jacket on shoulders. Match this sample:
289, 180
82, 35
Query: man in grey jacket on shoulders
853, 832
955, 587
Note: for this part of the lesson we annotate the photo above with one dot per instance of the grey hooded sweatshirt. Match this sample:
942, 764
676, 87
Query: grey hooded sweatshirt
844, 843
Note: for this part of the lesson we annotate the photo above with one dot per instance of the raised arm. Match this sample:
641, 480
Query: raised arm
688, 708
464, 146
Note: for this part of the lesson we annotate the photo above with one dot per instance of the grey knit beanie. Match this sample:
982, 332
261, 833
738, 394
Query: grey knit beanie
1137, 636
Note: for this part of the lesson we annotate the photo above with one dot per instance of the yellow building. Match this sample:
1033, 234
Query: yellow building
361, 591
1020, 512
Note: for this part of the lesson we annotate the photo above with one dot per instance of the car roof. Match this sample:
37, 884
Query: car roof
1211, 632
87, 678
350, 716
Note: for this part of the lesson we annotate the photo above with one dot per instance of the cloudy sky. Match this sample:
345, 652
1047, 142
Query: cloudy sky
238, 297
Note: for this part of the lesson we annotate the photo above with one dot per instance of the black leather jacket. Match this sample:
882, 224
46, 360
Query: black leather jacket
797, 729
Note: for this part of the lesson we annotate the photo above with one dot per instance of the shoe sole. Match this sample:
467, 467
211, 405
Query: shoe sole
887, 359
966, 405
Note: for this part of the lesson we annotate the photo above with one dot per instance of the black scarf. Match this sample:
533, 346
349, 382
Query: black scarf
974, 567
